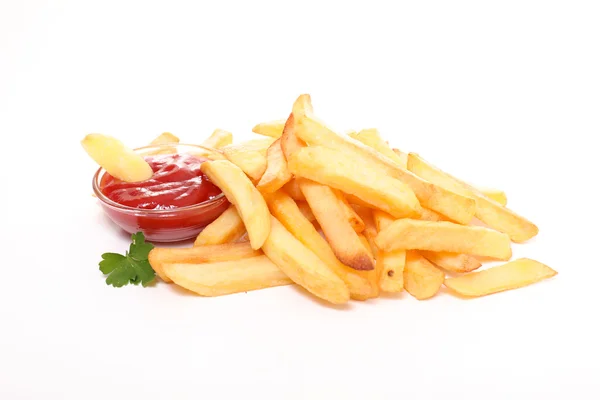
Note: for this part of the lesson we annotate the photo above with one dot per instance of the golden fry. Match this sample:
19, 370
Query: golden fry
293, 189
159, 256
277, 173
453, 262
218, 139
227, 277
303, 266
494, 194
119, 161
240, 191
421, 278
228, 227
488, 211
270, 128
290, 215
355, 220
290, 143
304, 209
444, 236
335, 225
165, 138
382, 220
391, 263
334, 169
512, 275
371, 138
403, 157
454, 206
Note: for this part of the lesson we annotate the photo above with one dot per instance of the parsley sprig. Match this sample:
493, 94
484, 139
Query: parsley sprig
133, 267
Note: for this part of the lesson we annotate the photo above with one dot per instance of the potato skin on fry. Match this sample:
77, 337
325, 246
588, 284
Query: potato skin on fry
512, 275
303, 266
290, 143
277, 173
240, 191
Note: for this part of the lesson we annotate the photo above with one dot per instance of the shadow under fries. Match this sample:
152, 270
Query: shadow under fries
180, 290
392, 296
445, 291
321, 302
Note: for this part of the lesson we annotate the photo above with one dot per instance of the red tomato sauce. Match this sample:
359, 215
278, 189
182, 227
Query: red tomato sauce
177, 182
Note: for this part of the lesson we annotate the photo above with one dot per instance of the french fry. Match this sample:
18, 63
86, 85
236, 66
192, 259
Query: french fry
303, 266
391, 263
453, 262
391, 268
304, 209
403, 157
290, 143
335, 225
488, 211
421, 278
454, 206
302, 107
293, 189
165, 138
369, 245
429, 215
227, 277
494, 194
382, 220
259, 145
252, 163
410, 234
119, 161
218, 139
353, 200
512, 275
240, 192
277, 173
283, 207
371, 138
365, 215
159, 256
228, 227
270, 128
355, 220
335, 169
449, 261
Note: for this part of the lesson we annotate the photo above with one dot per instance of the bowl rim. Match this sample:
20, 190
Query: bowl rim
113, 204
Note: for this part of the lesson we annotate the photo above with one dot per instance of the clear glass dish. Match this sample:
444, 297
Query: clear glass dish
164, 225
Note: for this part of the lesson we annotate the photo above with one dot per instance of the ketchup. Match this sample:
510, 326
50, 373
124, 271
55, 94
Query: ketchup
177, 182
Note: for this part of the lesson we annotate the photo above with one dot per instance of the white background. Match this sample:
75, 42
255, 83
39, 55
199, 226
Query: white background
503, 94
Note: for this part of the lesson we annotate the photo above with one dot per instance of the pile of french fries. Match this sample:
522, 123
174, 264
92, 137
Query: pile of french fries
345, 217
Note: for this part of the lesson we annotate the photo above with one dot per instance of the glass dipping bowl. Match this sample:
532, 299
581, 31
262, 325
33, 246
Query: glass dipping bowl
164, 225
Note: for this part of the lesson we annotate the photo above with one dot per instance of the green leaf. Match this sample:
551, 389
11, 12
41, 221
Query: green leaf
139, 249
110, 261
133, 267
